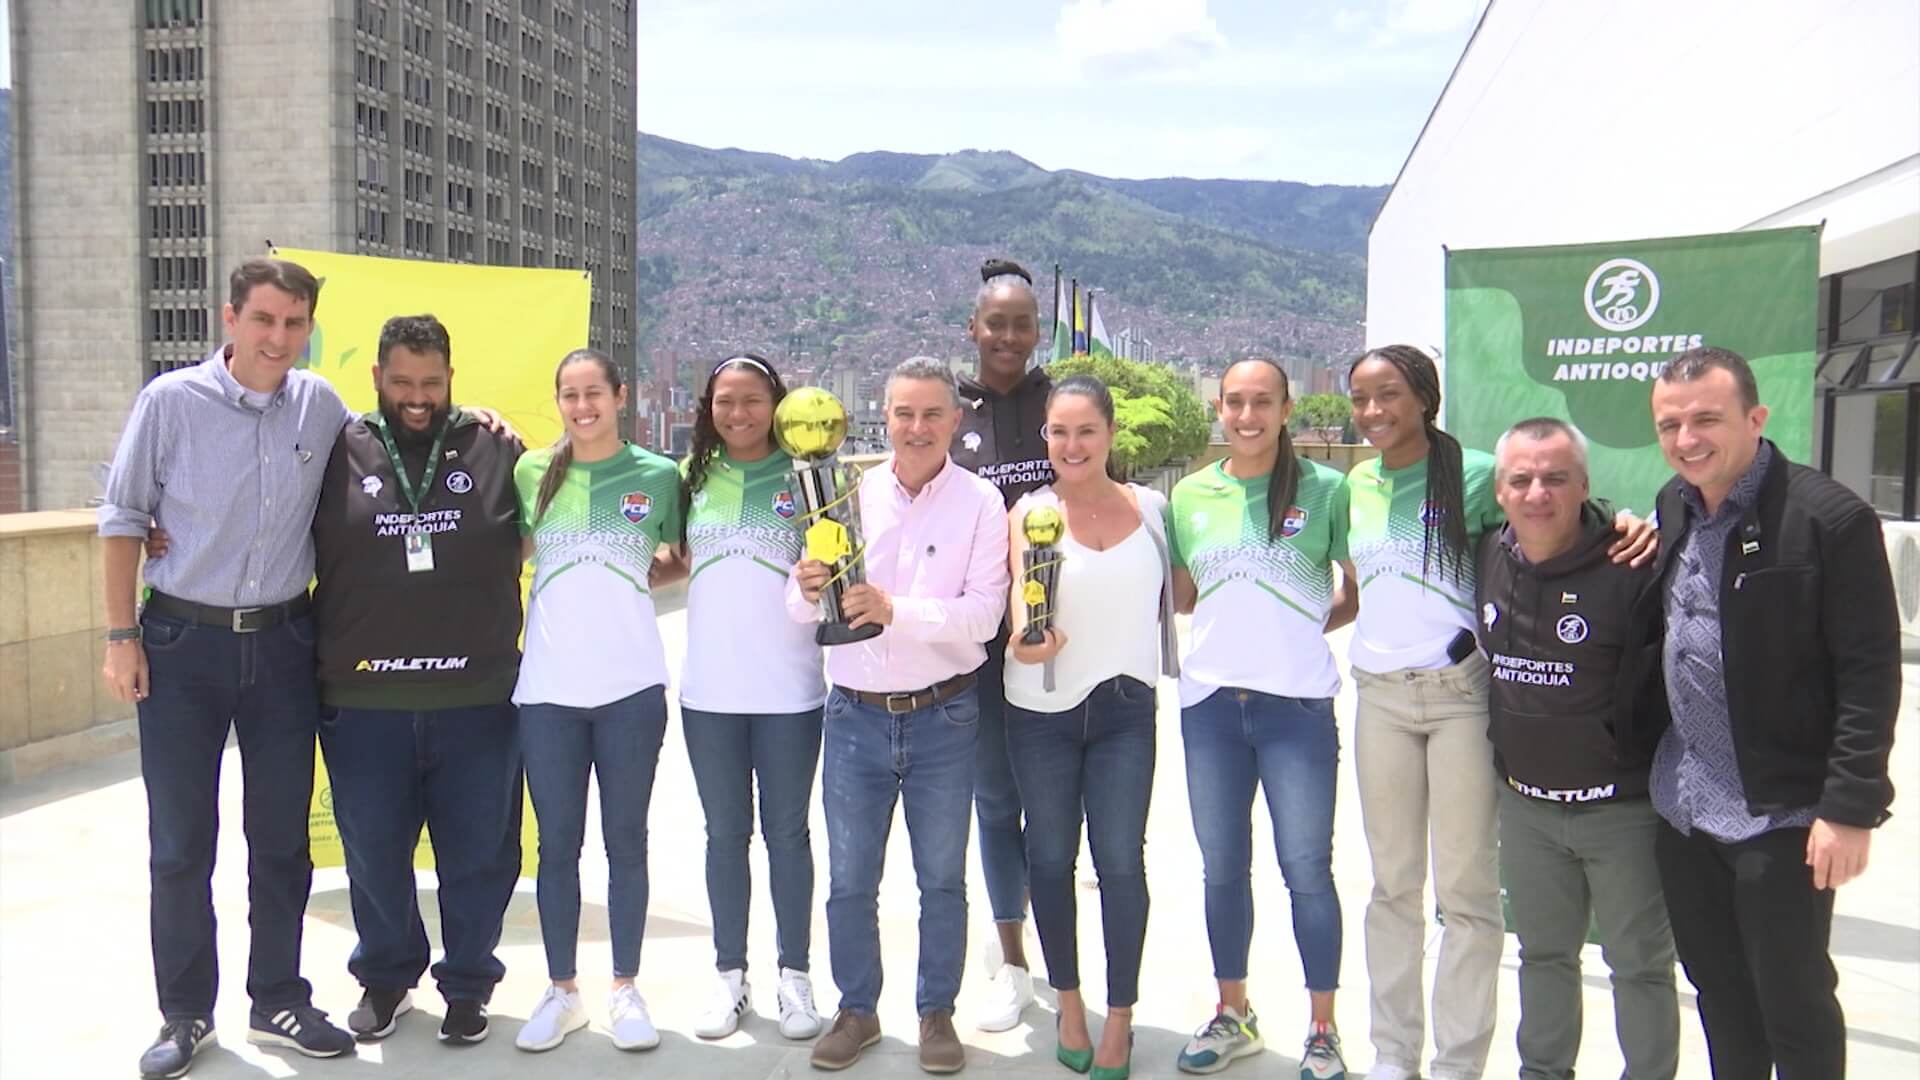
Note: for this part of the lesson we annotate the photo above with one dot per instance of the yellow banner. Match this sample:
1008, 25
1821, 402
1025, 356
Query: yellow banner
508, 326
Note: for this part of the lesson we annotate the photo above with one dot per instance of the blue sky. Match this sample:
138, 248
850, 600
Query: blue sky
1322, 91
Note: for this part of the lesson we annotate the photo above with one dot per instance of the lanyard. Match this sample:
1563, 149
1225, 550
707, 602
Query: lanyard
411, 495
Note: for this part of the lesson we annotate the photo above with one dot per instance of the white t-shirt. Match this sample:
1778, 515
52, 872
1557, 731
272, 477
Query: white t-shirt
744, 655
592, 638
1108, 606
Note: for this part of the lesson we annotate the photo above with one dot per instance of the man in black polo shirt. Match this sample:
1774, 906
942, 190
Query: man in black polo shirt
417, 548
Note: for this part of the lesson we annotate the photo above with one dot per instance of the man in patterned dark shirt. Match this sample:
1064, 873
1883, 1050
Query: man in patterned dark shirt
1781, 661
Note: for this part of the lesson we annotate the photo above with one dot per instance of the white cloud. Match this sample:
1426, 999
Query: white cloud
1419, 18
1145, 33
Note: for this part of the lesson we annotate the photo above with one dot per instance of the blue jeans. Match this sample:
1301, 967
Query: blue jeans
457, 772
996, 796
1096, 757
1238, 740
620, 744
873, 760
204, 681
728, 750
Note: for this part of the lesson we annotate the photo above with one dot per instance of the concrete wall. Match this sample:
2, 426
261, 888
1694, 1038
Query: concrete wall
281, 92
78, 222
54, 707
1624, 119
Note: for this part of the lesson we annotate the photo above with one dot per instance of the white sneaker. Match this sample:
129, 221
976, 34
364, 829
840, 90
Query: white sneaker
1007, 997
732, 999
1385, 1071
628, 1021
799, 1019
556, 1016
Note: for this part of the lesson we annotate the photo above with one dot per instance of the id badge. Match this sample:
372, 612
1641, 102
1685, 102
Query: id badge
419, 553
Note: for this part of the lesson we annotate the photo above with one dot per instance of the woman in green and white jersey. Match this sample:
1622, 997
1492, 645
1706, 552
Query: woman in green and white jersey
592, 691
1420, 739
756, 724
1255, 540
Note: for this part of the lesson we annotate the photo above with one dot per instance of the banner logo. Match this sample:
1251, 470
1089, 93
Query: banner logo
459, 481
1489, 614
371, 485
1291, 524
1572, 629
635, 506
1622, 294
783, 504
971, 440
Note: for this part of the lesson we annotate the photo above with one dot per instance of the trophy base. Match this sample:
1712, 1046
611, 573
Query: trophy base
839, 633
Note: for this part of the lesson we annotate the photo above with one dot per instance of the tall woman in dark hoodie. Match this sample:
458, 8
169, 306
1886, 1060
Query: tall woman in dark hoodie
1001, 414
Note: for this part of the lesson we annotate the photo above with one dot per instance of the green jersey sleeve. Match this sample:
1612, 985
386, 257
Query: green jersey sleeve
1339, 521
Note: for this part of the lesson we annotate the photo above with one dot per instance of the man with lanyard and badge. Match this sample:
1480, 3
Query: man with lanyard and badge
417, 545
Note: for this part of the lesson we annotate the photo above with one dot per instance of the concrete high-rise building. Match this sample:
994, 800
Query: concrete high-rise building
159, 143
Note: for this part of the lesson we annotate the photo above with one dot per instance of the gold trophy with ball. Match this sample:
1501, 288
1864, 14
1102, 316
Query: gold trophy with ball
810, 424
1040, 570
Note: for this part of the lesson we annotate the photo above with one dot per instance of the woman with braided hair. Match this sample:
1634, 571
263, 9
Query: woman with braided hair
1426, 771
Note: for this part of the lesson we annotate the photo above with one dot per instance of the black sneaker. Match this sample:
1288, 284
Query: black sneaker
298, 1027
378, 1012
466, 1022
173, 1052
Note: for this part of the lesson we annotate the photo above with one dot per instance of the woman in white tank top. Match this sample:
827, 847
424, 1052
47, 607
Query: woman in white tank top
1080, 712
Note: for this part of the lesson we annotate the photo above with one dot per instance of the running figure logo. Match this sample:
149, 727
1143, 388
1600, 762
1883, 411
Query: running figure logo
1621, 295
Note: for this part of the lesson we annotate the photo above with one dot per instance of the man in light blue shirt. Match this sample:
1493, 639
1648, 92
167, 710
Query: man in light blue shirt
227, 457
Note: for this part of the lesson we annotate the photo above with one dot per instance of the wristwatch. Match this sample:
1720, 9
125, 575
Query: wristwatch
123, 633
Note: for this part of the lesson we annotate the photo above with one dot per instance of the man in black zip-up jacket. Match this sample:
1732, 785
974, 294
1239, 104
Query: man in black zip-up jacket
1577, 831
1780, 667
417, 550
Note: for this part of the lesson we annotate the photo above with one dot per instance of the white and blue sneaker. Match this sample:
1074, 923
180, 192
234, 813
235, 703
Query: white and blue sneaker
298, 1027
1229, 1035
1321, 1059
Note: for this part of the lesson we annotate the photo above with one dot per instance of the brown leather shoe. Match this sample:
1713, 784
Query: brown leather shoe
852, 1032
940, 1049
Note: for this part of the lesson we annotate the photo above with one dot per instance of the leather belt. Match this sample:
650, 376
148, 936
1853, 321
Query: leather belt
911, 700
240, 620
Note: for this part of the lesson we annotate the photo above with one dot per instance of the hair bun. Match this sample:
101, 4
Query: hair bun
994, 268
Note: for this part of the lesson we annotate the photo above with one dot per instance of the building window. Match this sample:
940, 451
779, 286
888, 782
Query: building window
1867, 422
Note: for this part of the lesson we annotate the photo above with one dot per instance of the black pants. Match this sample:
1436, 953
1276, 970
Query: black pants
1751, 931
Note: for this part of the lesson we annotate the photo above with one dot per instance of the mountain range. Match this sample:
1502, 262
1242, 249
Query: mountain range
874, 257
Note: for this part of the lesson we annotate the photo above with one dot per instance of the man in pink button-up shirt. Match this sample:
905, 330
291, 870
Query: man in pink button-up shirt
901, 720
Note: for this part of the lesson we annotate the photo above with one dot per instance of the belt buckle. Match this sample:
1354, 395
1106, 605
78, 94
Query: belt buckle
907, 697
239, 620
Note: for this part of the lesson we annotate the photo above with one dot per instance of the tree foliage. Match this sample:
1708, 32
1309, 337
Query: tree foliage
1157, 414
1322, 413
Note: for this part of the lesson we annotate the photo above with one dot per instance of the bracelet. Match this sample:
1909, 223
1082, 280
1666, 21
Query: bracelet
123, 633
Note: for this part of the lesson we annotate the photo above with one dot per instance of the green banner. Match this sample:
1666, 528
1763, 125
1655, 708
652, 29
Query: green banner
1580, 331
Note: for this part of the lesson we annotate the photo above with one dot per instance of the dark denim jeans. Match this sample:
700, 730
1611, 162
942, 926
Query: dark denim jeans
1094, 759
996, 795
728, 751
205, 680
1237, 741
457, 772
873, 760
619, 743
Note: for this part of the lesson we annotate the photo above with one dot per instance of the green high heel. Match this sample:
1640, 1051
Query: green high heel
1077, 1060
1112, 1072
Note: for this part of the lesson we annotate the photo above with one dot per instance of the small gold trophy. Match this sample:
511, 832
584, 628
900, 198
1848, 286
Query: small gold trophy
810, 424
1040, 570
